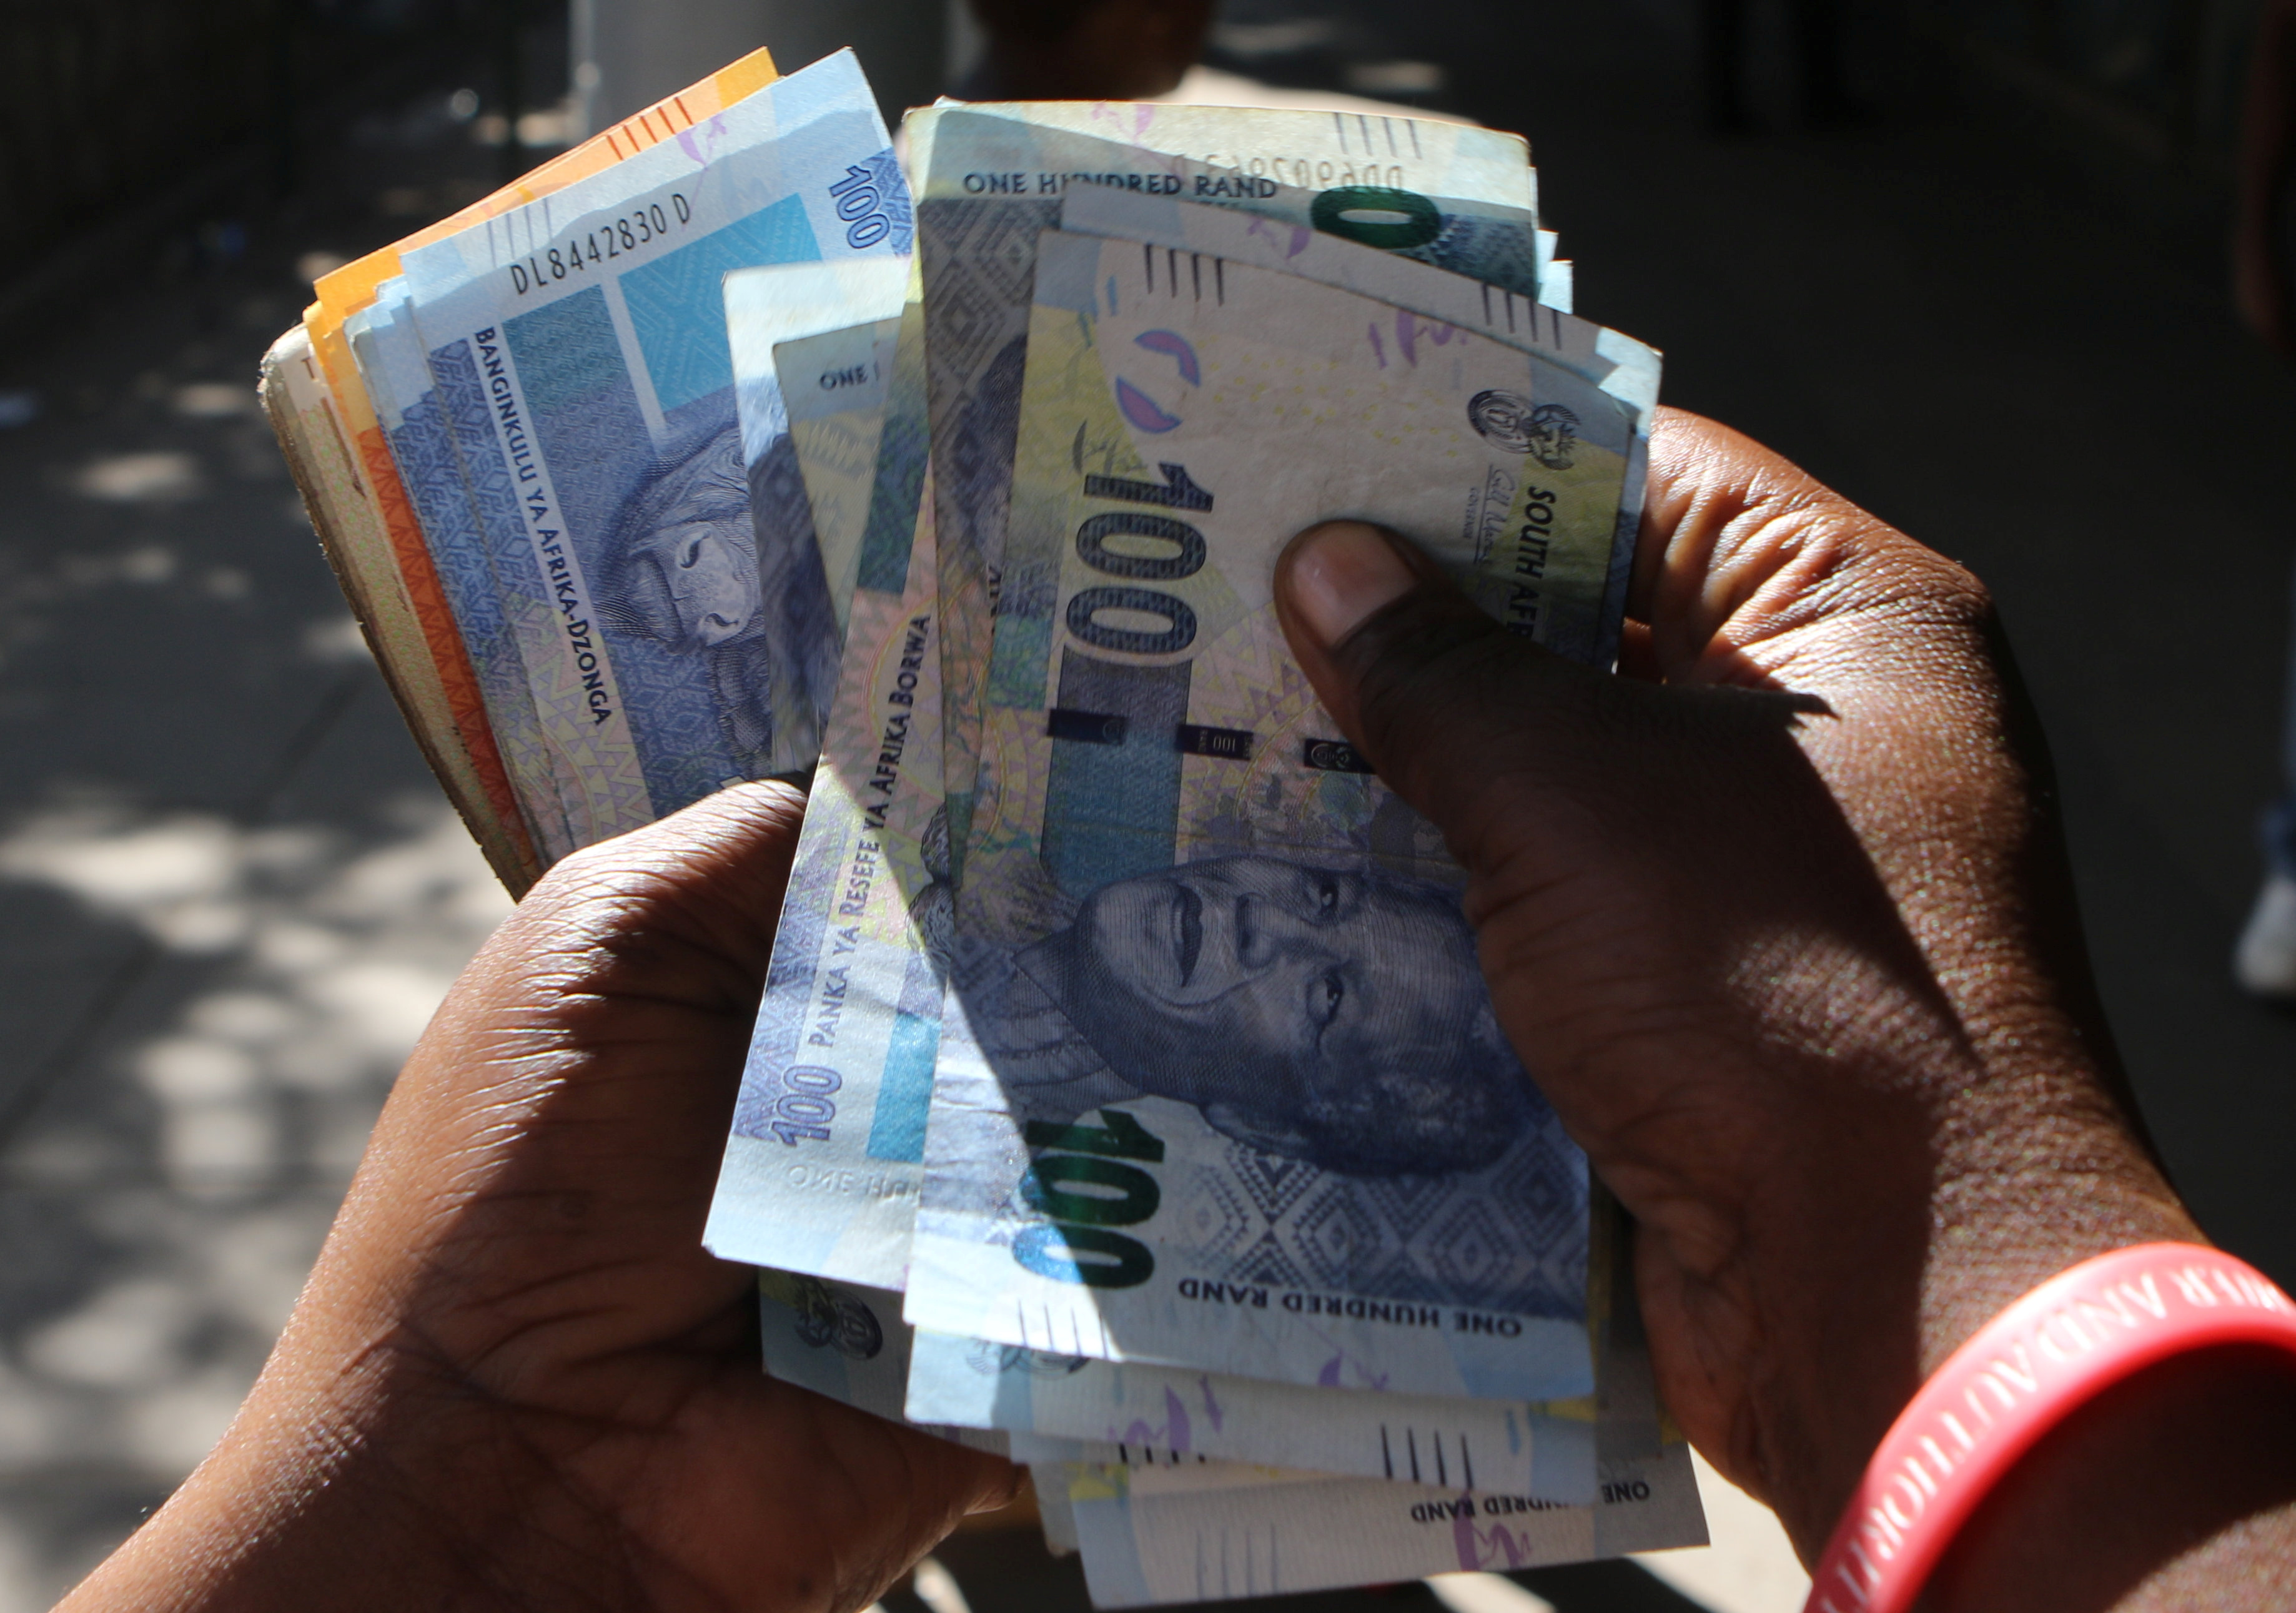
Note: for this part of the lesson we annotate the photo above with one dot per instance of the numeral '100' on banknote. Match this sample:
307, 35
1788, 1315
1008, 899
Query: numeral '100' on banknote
821, 1171
1225, 1089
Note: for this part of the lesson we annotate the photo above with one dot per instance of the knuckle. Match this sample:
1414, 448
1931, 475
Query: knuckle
595, 903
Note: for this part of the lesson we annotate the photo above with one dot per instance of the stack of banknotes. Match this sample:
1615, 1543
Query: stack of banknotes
1125, 1097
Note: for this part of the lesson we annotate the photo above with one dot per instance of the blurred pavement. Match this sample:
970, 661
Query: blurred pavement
230, 894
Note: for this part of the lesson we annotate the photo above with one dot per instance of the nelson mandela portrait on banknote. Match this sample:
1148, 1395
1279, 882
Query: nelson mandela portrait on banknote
1323, 1010
1223, 1087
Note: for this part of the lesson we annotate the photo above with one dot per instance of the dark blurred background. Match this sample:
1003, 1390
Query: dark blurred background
1967, 260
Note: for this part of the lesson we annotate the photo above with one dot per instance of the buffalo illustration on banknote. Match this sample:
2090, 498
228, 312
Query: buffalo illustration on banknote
684, 567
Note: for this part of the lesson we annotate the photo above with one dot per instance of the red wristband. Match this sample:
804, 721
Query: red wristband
2025, 1371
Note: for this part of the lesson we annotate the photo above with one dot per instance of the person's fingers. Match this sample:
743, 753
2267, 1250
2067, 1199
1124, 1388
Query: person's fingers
1620, 837
686, 906
636, 963
1467, 723
565, 1111
1742, 554
1377, 627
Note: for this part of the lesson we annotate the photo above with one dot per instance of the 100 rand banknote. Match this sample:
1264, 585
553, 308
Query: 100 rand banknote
824, 1158
1226, 1091
825, 388
764, 308
835, 400
1210, 1532
593, 323
1622, 368
1190, 1534
782, 1197
990, 177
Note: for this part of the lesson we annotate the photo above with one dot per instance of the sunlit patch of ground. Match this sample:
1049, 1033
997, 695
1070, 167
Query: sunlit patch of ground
174, 1203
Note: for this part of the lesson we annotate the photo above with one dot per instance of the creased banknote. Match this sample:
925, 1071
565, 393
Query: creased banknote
764, 307
1227, 1091
990, 178
592, 324
821, 1170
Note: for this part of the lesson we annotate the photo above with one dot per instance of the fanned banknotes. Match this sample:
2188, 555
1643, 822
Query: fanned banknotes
1211, 971
822, 1170
1553, 414
1123, 1096
990, 178
1152, 1534
836, 405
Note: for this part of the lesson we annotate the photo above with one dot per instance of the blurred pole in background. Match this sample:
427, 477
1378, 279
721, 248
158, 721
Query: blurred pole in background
509, 17
630, 53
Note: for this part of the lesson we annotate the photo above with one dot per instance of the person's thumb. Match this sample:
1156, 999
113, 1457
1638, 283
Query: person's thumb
1620, 836
1438, 697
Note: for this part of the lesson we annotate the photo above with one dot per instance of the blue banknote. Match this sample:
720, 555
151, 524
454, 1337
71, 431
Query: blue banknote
1226, 1091
420, 433
592, 322
764, 308
990, 178
822, 1168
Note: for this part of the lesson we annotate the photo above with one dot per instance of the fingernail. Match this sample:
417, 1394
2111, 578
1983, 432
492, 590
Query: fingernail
1342, 574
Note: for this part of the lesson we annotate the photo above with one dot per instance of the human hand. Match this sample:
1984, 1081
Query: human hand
516, 1378
1779, 924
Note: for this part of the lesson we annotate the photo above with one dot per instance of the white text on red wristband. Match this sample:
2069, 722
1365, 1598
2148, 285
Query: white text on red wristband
2021, 1374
